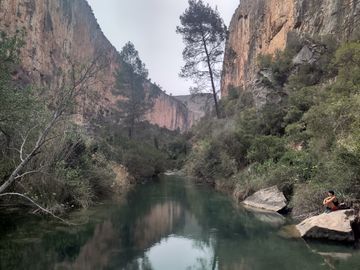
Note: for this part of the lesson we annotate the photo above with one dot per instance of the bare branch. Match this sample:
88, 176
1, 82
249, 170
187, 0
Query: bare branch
37, 205
30, 172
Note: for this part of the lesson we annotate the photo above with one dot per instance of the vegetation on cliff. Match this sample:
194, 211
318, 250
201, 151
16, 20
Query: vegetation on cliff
132, 84
305, 139
58, 164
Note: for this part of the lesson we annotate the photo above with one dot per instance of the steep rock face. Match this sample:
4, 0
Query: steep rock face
62, 32
171, 113
198, 104
263, 26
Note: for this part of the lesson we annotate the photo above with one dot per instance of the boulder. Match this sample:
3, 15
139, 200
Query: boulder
332, 226
271, 199
304, 56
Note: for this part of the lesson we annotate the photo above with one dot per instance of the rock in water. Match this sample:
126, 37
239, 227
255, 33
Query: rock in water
332, 226
271, 199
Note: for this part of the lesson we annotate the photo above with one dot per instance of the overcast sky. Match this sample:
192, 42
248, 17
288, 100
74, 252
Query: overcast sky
151, 25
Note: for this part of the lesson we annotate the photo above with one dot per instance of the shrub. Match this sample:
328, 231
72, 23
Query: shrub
266, 147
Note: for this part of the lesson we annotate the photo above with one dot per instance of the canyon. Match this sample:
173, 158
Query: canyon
265, 26
58, 34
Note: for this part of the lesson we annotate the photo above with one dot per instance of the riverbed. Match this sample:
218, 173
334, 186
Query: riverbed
168, 224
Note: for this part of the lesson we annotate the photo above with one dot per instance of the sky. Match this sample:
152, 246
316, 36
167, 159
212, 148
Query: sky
151, 26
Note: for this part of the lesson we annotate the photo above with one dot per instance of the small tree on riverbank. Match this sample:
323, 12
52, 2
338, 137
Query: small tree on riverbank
204, 34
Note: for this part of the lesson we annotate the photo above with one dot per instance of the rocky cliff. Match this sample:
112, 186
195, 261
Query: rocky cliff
59, 33
198, 104
264, 26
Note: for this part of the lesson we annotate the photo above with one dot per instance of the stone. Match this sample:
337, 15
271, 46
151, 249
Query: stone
271, 199
304, 56
332, 226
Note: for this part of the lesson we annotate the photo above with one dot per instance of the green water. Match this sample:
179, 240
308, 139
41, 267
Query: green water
167, 225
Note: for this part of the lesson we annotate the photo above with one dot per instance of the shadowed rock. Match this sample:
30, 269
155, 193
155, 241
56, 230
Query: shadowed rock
271, 199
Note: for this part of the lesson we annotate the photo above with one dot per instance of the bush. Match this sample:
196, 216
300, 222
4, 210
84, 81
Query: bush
144, 161
264, 148
210, 161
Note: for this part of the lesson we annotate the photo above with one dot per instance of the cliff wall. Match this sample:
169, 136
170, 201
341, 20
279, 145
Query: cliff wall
59, 33
263, 26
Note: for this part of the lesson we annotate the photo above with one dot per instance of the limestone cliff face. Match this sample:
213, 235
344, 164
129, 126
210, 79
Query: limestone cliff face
171, 113
263, 26
62, 32
198, 105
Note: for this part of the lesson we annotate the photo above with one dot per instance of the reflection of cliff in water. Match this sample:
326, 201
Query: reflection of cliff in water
159, 222
107, 242
95, 254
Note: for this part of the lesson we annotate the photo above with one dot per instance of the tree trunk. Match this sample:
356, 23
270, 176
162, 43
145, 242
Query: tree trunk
7, 141
211, 78
39, 143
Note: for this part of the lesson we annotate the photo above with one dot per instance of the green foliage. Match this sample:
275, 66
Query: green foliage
204, 35
347, 58
208, 161
264, 61
148, 153
136, 91
145, 162
66, 171
266, 148
307, 143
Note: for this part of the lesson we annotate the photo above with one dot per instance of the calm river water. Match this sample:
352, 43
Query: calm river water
167, 225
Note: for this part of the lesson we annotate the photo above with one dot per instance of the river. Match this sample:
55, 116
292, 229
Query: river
170, 224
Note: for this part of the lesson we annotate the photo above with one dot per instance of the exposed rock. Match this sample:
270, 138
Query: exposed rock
198, 104
59, 30
304, 56
264, 26
332, 226
171, 113
271, 199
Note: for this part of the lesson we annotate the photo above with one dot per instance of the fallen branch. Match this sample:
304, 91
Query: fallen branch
37, 205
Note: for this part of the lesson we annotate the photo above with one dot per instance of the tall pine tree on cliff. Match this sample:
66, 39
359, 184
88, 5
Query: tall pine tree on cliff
204, 34
133, 85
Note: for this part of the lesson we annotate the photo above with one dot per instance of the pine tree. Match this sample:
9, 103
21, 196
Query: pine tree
133, 85
204, 34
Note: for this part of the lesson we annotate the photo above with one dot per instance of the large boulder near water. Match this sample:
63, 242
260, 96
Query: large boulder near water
271, 199
332, 226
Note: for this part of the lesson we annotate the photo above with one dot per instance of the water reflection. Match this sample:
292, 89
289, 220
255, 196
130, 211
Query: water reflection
97, 251
161, 221
170, 225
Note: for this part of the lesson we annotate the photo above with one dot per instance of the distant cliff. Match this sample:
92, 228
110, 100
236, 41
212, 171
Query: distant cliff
198, 104
60, 32
263, 26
